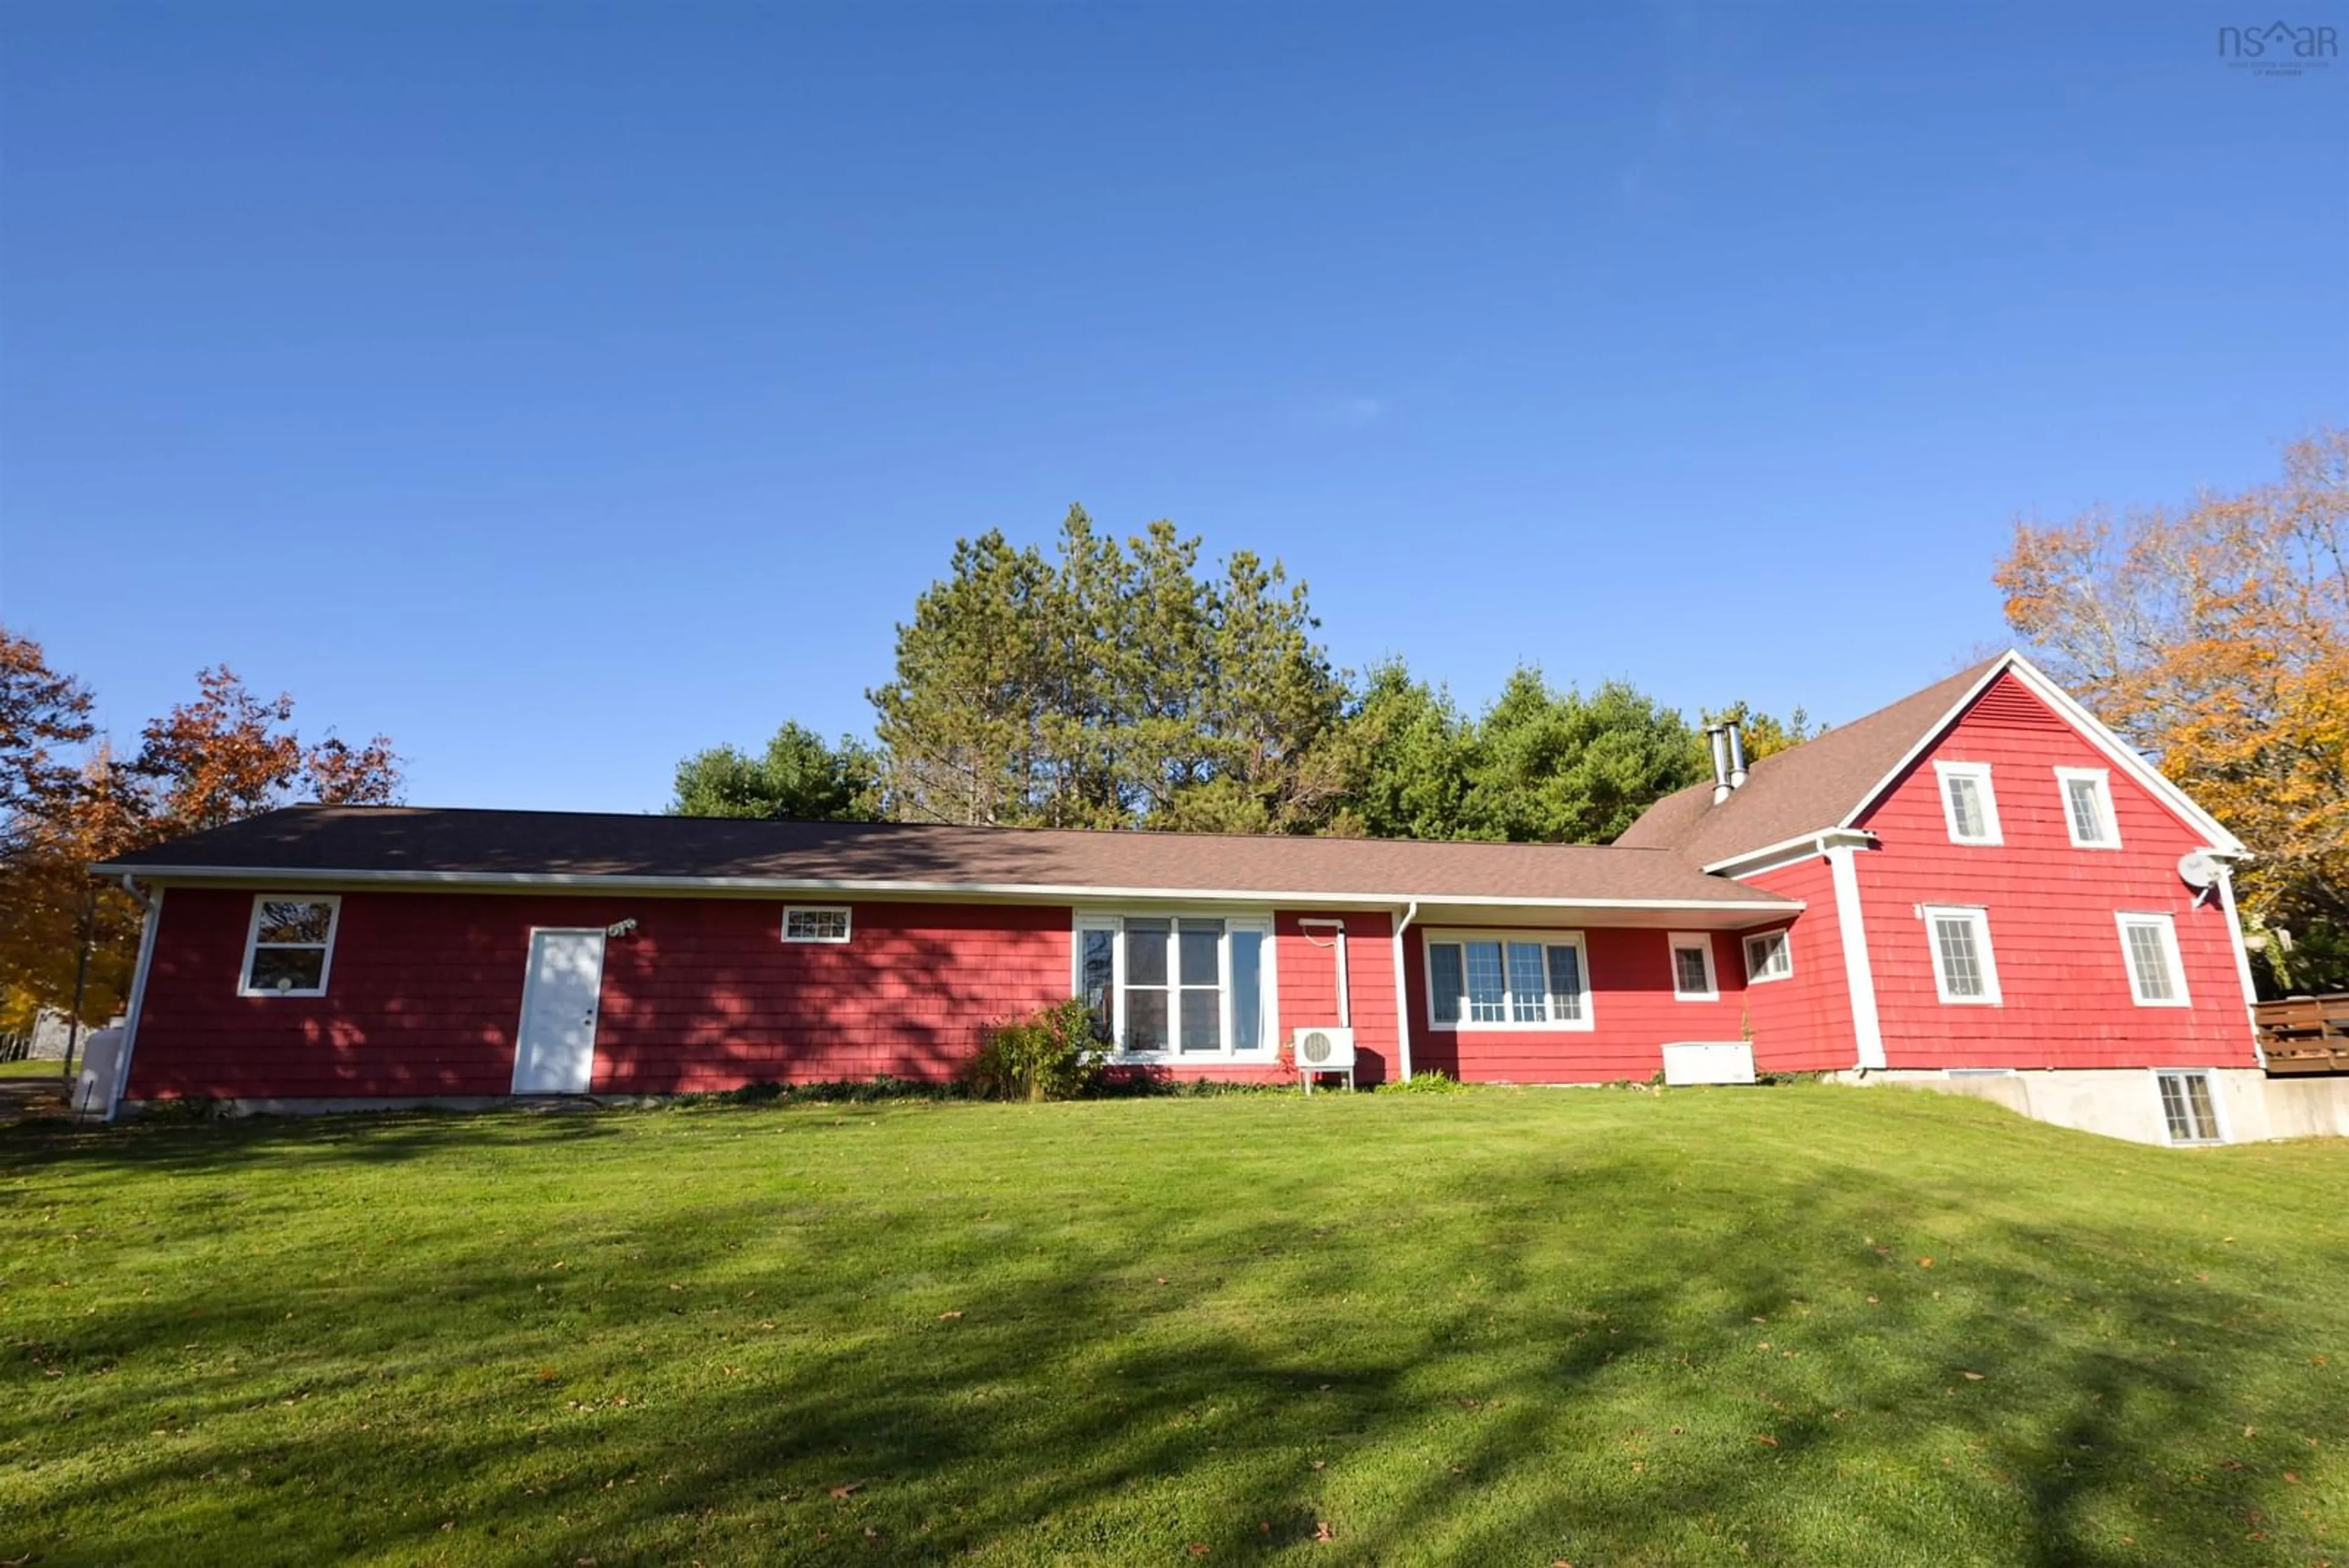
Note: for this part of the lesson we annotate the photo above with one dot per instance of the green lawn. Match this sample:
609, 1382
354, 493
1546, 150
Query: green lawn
1794, 1325
29, 1068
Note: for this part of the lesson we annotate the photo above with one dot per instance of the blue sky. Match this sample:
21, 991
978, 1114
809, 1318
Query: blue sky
561, 389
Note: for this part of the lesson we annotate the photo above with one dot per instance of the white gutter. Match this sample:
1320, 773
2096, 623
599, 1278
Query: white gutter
152, 918
277, 877
1402, 1006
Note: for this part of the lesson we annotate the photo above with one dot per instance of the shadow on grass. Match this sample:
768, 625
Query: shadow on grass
1521, 1376
204, 1146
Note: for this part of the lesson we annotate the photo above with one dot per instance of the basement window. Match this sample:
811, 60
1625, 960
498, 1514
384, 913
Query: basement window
1770, 956
2188, 1108
1967, 803
289, 946
815, 923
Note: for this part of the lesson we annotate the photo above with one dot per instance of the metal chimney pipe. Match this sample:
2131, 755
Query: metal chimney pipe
1736, 756
1718, 735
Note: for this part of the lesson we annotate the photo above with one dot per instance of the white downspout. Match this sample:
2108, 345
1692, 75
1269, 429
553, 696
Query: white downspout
1345, 985
152, 919
1403, 1008
1345, 990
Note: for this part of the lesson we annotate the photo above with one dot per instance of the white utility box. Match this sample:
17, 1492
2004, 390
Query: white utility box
1709, 1062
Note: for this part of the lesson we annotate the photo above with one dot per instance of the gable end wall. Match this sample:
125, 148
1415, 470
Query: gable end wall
2066, 995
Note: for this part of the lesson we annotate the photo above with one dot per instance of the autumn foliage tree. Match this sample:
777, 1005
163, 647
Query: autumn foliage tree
225, 755
51, 908
43, 715
2216, 638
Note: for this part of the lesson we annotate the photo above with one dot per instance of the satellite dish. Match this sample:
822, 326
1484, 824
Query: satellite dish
2200, 870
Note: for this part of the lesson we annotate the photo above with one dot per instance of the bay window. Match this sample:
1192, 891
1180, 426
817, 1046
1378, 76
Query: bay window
1508, 980
1177, 986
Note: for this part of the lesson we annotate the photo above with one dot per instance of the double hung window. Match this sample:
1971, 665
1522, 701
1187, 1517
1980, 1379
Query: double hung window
1967, 803
2149, 947
1183, 986
1964, 968
2088, 807
1508, 980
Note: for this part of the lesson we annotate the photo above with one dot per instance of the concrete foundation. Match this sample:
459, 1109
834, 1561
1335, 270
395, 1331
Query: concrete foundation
2126, 1102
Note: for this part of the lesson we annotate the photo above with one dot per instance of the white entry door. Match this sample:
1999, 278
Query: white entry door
556, 1051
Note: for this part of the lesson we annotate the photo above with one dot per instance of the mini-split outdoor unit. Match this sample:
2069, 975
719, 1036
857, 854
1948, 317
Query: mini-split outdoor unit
1321, 1049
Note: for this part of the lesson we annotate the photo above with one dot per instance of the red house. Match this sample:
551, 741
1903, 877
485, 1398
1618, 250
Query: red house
1979, 887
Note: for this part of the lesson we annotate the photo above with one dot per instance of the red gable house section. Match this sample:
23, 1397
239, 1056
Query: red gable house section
1972, 886
2051, 907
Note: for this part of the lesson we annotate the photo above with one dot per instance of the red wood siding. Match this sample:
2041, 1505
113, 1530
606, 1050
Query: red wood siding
1803, 1023
1633, 1015
2067, 1001
1308, 984
426, 992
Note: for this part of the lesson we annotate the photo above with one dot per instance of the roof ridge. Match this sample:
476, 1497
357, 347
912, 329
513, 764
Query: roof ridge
854, 824
1815, 784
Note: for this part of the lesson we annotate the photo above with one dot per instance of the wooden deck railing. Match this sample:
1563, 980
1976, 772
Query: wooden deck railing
2305, 1034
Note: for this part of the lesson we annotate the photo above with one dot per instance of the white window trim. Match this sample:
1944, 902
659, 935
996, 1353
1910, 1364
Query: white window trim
1786, 940
1701, 942
2103, 779
2167, 925
1980, 773
253, 943
2217, 1106
1430, 938
847, 923
1991, 996
1266, 1050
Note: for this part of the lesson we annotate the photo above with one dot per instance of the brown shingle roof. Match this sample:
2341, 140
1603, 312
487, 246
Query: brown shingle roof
1813, 786
446, 845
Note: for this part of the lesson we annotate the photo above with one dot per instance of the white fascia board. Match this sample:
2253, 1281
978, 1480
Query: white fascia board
2093, 729
1931, 737
1791, 851
2102, 737
265, 877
